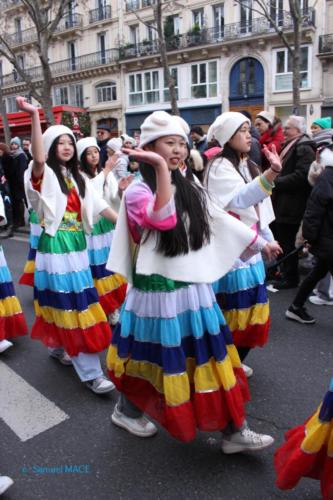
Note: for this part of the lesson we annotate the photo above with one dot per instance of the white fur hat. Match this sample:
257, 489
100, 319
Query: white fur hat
115, 144
268, 117
52, 133
225, 126
159, 124
128, 138
83, 144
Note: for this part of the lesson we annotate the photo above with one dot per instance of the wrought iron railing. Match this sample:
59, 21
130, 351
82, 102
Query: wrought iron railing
24, 36
132, 5
69, 22
100, 14
325, 44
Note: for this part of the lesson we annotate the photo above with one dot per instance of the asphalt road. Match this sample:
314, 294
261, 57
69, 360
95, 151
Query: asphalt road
85, 457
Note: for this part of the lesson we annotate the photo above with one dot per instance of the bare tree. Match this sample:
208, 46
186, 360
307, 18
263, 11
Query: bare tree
3, 114
45, 17
299, 17
158, 7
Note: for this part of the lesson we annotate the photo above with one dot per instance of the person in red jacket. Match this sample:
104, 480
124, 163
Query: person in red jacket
271, 132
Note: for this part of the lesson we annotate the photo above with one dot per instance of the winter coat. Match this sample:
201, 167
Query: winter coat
274, 135
318, 217
291, 187
14, 169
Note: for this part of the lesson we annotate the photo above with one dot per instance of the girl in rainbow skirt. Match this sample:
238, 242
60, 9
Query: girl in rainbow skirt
172, 354
69, 318
237, 186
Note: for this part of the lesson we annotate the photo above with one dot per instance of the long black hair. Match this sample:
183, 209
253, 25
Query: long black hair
72, 165
86, 168
192, 212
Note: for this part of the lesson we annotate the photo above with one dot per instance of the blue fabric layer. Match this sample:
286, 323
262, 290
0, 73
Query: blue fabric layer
172, 359
33, 240
66, 301
5, 275
169, 332
99, 272
245, 298
97, 257
326, 410
241, 279
6, 290
32, 254
70, 282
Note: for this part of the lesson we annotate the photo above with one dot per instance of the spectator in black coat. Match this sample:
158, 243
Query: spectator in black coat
26, 145
291, 193
318, 231
15, 175
199, 139
103, 136
5, 165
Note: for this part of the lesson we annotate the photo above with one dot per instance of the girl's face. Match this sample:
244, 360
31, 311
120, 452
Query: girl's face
241, 140
315, 129
92, 156
261, 125
173, 149
65, 148
128, 145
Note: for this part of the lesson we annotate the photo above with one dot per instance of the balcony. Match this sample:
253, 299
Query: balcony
69, 22
21, 37
132, 5
326, 45
100, 14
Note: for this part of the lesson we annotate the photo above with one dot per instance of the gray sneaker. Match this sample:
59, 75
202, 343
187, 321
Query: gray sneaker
62, 357
5, 483
100, 385
245, 440
141, 426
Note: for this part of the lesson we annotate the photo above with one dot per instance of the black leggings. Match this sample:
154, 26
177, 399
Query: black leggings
243, 352
316, 274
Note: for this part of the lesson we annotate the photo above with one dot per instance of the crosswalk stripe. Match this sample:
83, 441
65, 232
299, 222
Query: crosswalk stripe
25, 410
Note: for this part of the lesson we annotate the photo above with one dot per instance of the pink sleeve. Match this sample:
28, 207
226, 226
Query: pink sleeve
140, 203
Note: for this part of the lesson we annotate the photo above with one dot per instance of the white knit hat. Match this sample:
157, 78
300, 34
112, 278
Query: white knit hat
128, 138
115, 144
52, 133
266, 116
83, 144
225, 126
160, 124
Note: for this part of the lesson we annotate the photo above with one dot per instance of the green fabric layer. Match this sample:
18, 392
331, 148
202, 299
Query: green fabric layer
157, 283
102, 226
33, 217
62, 242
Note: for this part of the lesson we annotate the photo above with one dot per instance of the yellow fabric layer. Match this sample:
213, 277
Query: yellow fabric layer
318, 434
10, 306
210, 376
71, 319
108, 284
29, 267
240, 319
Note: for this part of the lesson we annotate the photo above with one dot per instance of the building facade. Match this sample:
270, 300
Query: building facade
105, 58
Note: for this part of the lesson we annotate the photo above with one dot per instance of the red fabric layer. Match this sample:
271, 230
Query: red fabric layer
210, 411
113, 300
75, 340
252, 336
291, 464
27, 279
13, 326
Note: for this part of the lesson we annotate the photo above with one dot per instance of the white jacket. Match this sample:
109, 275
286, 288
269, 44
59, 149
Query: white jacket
50, 204
106, 188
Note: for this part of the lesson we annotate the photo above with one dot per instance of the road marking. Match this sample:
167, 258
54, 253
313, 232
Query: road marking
25, 410
20, 238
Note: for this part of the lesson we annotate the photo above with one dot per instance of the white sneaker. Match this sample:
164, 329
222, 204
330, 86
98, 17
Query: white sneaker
62, 357
245, 440
114, 317
5, 344
100, 385
141, 426
315, 299
247, 370
5, 483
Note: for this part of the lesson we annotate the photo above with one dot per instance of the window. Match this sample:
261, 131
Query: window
283, 69
71, 95
11, 106
1, 73
144, 88
106, 92
246, 16
198, 18
218, 12
20, 61
134, 34
166, 92
76, 95
151, 31
276, 11
101, 40
204, 80
61, 96
71, 55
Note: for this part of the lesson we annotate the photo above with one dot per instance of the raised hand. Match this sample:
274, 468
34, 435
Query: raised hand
125, 182
24, 105
273, 157
111, 163
149, 157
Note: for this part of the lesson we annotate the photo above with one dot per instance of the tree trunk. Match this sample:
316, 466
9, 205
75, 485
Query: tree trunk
164, 58
296, 60
5, 124
46, 102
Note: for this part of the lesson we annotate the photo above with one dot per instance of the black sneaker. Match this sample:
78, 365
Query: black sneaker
299, 314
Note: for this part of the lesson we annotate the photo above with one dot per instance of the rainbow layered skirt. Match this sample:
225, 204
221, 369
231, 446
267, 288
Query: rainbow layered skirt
242, 296
172, 355
27, 277
111, 287
12, 321
68, 312
308, 451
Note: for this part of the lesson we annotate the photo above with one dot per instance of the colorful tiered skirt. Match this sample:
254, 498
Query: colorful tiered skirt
12, 321
27, 277
111, 287
68, 313
308, 451
242, 296
172, 355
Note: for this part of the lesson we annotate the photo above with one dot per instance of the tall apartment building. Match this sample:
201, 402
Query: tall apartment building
105, 58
